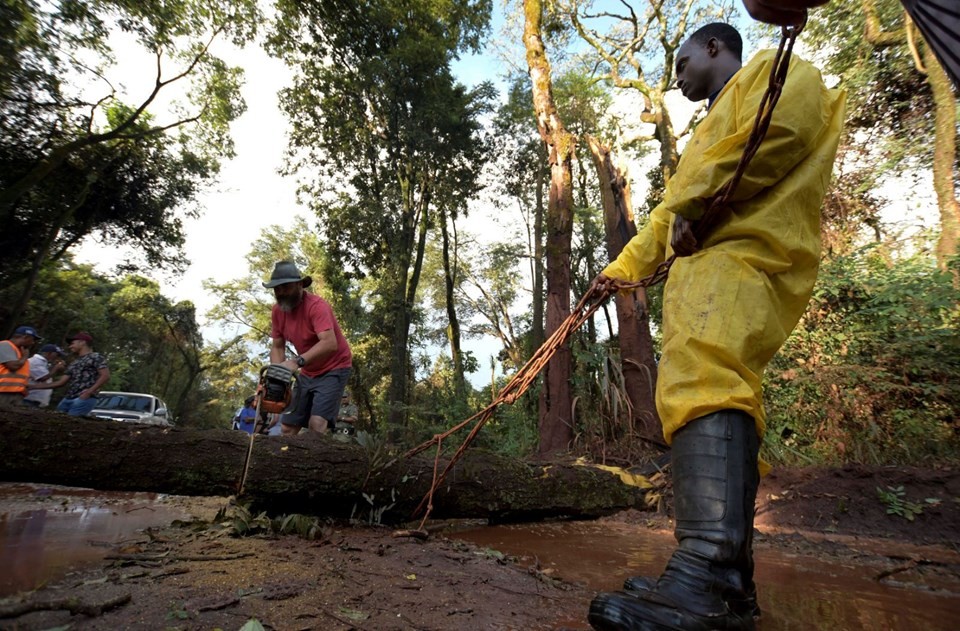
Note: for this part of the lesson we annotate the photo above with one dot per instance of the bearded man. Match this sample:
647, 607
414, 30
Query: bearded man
323, 360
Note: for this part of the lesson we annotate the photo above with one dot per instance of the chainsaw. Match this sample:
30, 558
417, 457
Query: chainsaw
274, 390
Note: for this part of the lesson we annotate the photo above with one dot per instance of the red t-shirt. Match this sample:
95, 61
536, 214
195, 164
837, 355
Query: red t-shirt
300, 327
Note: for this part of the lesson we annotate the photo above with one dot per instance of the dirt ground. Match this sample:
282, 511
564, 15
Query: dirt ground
192, 576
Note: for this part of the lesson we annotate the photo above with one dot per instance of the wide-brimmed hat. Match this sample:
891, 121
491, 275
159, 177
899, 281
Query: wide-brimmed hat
286, 272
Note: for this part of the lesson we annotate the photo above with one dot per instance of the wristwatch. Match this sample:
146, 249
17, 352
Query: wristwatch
300, 361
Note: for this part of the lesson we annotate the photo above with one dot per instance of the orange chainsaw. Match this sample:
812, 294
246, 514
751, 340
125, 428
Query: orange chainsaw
274, 390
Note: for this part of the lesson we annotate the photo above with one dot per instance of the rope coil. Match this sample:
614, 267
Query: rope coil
597, 295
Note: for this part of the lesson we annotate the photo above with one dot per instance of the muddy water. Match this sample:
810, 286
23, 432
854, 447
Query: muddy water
796, 592
47, 531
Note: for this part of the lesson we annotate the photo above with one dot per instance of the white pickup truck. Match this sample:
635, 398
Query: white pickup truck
131, 406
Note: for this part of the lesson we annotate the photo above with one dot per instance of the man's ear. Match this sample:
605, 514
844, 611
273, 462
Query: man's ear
713, 46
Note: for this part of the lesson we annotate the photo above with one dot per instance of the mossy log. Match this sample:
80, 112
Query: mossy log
309, 474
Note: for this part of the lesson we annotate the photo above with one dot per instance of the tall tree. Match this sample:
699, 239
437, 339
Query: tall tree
556, 422
633, 316
376, 112
491, 288
78, 160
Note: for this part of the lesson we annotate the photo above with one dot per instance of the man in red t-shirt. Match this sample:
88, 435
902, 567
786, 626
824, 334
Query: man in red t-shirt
324, 360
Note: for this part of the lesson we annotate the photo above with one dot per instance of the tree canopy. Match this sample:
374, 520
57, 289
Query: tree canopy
78, 156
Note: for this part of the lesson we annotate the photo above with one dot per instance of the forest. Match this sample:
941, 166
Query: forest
392, 154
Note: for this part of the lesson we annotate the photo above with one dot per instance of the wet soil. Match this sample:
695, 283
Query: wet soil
815, 527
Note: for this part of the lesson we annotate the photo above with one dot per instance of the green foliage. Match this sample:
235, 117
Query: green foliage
491, 288
376, 449
888, 100
870, 373
513, 431
241, 522
76, 159
894, 498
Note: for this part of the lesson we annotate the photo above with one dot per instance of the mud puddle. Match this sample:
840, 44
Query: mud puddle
47, 531
797, 592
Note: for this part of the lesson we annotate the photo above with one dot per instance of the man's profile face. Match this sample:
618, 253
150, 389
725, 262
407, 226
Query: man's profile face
288, 295
695, 68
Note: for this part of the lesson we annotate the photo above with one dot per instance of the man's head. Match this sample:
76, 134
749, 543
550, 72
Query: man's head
287, 284
51, 352
25, 337
81, 343
707, 59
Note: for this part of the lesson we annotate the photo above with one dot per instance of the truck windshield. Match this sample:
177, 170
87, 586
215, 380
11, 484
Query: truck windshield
126, 402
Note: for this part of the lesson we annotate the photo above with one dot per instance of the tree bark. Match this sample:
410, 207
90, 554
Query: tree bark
311, 474
944, 158
556, 415
636, 343
945, 130
407, 277
536, 326
453, 329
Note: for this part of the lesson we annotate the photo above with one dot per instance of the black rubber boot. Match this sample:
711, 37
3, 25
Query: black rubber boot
706, 582
636, 584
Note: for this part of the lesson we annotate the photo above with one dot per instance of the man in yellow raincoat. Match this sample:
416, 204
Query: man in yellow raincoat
728, 307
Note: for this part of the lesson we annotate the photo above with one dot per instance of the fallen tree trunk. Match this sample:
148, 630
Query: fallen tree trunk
309, 474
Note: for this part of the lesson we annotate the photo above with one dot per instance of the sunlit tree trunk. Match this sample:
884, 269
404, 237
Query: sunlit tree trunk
944, 157
945, 126
556, 422
636, 344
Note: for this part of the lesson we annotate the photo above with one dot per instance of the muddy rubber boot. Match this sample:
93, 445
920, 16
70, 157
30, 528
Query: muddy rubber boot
715, 483
636, 584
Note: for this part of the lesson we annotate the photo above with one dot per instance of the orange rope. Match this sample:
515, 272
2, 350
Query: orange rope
597, 295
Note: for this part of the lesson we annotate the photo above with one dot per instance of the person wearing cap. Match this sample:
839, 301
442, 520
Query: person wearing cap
85, 376
15, 367
45, 364
324, 359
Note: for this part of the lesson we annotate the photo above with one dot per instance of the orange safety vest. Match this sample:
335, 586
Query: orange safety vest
14, 382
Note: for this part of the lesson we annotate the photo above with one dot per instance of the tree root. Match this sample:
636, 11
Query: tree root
139, 558
73, 605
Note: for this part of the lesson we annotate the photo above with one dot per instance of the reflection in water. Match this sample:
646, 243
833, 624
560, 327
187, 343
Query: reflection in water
796, 592
74, 527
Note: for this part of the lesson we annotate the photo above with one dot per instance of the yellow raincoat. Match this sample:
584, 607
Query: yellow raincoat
728, 308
